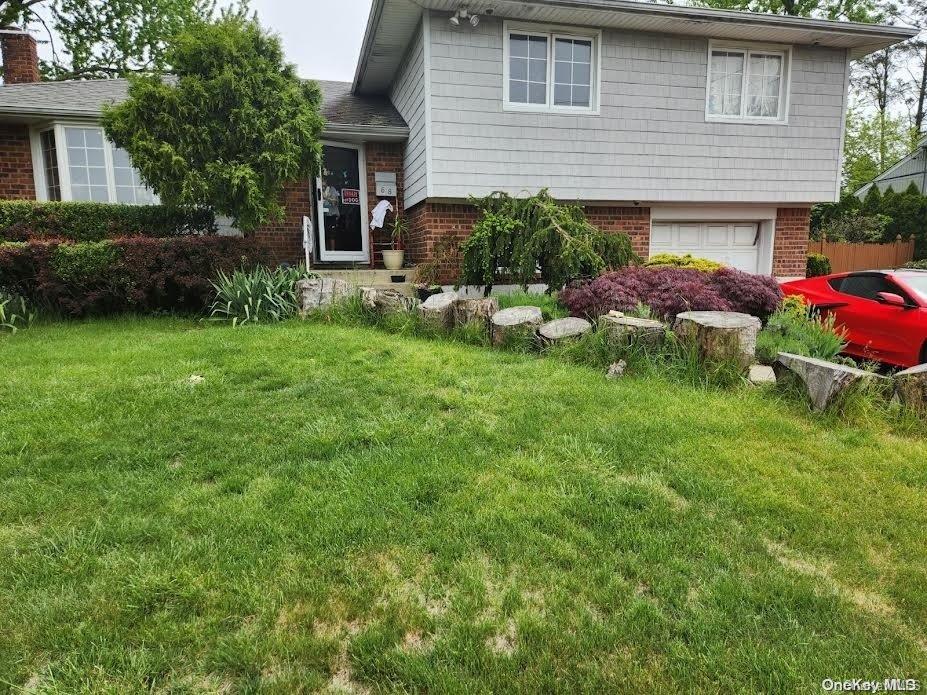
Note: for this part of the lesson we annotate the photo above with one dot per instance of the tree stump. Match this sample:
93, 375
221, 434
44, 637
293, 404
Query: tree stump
316, 293
627, 330
824, 381
911, 388
720, 335
468, 310
438, 310
385, 300
559, 330
515, 323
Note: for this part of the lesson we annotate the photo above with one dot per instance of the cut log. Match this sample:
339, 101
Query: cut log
515, 323
824, 381
911, 388
438, 310
559, 330
469, 310
386, 300
628, 330
720, 335
317, 293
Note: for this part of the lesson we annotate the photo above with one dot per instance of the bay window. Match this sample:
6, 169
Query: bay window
747, 83
548, 69
79, 163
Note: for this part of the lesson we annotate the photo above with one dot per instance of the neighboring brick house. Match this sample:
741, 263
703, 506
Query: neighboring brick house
692, 130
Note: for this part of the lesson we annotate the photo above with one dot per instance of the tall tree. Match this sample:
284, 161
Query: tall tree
106, 38
871, 145
111, 38
230, 130
852, 10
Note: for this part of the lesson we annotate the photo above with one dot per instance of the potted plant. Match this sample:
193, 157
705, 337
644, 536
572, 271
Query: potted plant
395, 255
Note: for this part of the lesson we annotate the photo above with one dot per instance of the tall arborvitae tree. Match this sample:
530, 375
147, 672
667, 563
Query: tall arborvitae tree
231, 127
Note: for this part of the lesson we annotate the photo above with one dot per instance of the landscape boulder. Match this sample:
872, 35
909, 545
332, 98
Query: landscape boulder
720, 335
517, 322
616, 369
558, 330
629, 330
824, 381
470, 310
386, 300
438, 310
316, 293
911, 388
760, 375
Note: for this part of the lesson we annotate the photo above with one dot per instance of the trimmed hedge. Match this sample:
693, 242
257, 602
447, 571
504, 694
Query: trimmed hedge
25, 220
818, 264
129, 274
673, 260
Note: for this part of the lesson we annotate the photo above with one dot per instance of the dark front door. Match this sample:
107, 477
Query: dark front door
342, 204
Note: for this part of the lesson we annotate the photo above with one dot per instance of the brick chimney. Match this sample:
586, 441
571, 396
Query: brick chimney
20, 56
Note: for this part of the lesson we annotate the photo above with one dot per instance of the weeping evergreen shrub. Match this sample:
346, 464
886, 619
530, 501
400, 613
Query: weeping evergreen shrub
526, 240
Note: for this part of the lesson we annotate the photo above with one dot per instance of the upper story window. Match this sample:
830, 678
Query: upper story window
79, 163
550, 69
747, 83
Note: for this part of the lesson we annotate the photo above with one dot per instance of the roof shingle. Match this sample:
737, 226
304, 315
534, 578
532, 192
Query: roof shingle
87, 97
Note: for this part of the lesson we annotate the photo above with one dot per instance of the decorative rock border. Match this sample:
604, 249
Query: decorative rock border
317, 293
911, 388
559, 330
625, 330
824, 381
514, 323
439, 310
720, 335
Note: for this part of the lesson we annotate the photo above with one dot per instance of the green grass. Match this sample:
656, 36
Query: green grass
548, 303
335, 507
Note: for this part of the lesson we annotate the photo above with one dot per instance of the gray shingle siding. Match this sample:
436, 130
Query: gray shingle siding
408, 94
651, 141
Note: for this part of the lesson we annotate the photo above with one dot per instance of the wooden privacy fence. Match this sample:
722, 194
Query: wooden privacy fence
845, 256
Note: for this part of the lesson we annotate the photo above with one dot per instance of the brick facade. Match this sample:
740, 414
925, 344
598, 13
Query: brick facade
284, 238
790, 251
16, 181
430, 224
635, 222
383, 156
20, 59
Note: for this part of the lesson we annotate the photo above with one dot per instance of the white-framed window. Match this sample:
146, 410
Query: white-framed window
550, 69
79, 163
747, 83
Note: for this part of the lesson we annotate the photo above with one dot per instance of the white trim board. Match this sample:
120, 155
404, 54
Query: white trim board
710, 213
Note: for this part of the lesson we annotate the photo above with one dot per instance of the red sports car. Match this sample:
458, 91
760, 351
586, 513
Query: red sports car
884, 312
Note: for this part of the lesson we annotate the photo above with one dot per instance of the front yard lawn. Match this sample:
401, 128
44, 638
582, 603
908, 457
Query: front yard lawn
341, 508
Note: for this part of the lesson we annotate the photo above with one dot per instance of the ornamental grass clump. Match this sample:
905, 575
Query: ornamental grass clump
15, 312
670, 291
259, 295
797, 328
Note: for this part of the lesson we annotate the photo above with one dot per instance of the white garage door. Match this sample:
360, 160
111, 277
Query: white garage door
733, 243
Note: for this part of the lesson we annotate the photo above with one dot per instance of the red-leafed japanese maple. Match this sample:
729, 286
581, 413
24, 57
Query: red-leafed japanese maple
669, 291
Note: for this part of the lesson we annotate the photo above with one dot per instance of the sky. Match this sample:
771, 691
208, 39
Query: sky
322, 37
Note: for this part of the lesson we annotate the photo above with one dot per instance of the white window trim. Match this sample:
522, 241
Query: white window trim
64, 171
552, 32
785, 84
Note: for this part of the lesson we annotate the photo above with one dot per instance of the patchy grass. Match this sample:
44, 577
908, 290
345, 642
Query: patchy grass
305, 507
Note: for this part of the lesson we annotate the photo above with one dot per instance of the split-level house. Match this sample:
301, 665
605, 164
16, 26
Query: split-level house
692, 130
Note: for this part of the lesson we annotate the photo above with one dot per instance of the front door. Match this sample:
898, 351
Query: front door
341, 204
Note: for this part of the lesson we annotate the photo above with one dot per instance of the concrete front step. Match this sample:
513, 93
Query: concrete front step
376, 278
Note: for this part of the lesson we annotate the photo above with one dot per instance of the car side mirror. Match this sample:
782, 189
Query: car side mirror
892, 299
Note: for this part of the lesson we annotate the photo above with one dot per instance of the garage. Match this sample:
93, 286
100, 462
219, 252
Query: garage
736, 244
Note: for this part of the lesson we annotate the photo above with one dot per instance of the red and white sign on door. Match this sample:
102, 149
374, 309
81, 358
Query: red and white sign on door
350, 196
